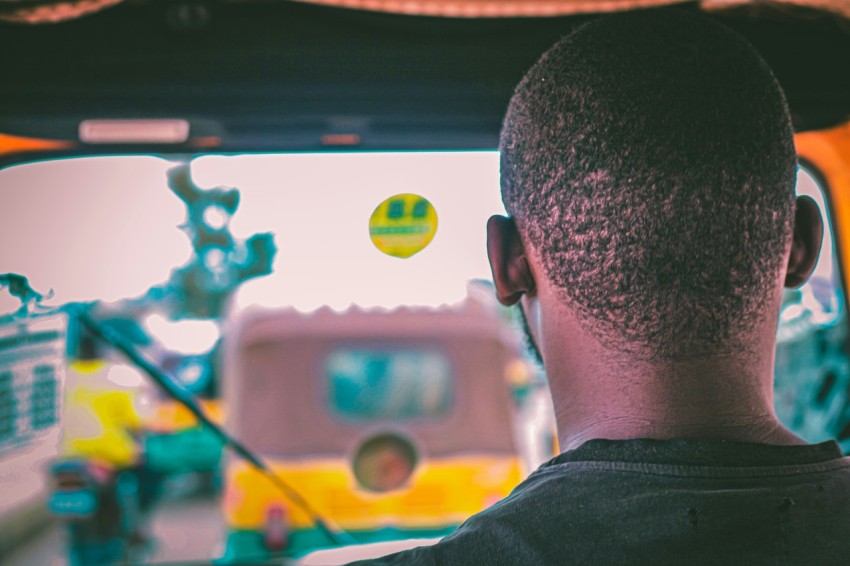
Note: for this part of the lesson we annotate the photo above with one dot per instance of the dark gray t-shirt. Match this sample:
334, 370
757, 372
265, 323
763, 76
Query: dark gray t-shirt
657, 502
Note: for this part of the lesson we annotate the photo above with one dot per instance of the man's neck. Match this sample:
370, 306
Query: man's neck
763, 429
726, 397
604, 392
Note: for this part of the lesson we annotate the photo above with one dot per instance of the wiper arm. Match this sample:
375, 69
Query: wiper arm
114, 338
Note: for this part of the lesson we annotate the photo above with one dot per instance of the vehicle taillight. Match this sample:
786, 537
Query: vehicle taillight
69, 481
79, 474
276, 533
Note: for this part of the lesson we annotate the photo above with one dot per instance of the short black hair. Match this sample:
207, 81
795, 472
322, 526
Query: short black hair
649, 158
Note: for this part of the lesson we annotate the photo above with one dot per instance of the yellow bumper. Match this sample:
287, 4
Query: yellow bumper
440, 492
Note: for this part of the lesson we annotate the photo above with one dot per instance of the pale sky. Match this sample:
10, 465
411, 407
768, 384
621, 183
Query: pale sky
105, 227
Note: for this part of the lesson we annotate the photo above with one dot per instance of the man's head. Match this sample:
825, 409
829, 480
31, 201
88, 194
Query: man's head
648, 164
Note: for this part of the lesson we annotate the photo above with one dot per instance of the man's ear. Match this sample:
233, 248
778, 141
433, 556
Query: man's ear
805, 247
511, 273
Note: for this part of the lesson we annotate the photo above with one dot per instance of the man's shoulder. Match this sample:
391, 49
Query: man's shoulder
508, 531
598, 509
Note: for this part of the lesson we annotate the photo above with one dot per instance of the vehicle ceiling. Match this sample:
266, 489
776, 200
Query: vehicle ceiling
281, 76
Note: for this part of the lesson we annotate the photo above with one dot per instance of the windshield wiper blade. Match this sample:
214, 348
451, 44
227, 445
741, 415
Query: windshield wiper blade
114, 338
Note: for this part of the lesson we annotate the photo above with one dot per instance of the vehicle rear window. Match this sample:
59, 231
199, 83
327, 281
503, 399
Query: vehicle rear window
375, 384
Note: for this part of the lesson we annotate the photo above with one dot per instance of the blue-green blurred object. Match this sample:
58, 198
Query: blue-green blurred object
76, 503
102, 510
220, 262
194, 449
812, 370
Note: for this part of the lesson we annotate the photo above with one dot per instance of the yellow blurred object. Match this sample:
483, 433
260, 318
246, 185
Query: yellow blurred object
87, 367
403, 225
442, 491
99, 415
171, 416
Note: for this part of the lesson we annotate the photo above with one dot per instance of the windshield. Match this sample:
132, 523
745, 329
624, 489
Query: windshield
339, 304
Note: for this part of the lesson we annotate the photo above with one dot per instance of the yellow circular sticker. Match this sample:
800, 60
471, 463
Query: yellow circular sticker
403, 225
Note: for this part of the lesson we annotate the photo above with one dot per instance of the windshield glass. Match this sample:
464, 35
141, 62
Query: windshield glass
334, 311
109, 228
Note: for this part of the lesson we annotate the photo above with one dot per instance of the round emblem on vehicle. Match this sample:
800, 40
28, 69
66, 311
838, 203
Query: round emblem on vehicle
403, 225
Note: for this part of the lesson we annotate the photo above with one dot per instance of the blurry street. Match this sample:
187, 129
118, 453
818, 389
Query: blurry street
187, 529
